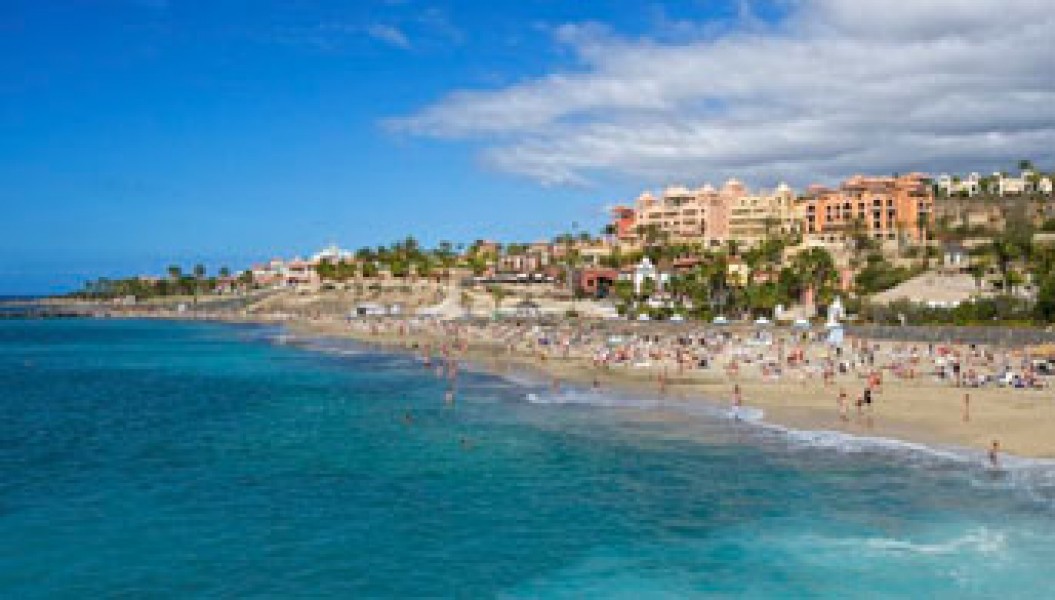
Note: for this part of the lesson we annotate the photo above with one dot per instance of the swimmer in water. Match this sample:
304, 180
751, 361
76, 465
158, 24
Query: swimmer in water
466, 443
408, 418
448, 398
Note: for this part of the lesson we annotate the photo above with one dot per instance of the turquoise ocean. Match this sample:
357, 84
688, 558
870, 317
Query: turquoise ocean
161, 459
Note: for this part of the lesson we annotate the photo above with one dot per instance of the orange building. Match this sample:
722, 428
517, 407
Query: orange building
624, 218
881, 207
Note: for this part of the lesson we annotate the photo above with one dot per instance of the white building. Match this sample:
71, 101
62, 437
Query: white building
952, 186
333, 254
1027, 182
646, 270
1012, 186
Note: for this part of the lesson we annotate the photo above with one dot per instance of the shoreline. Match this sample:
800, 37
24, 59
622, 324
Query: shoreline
800, 406
917, 410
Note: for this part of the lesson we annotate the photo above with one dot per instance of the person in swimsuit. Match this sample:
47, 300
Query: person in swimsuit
994, 454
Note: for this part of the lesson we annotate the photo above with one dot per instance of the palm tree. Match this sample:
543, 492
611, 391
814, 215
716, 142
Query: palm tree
732, 247
199, 275
466, 301
498, 293
817, 269
858, 241
624, 291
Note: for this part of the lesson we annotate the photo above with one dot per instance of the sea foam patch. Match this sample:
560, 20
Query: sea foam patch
584, 397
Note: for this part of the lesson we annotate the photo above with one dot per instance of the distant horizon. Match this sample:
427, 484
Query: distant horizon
142, 133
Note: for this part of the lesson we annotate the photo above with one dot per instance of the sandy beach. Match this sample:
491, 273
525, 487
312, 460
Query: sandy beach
913, 405
935, 394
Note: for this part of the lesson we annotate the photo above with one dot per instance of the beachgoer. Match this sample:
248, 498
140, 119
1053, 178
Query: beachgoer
966, 408
994, 454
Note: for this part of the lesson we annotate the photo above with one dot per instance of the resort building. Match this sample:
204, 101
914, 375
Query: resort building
678, 215
954, 186
753, 218
333, 254
300, 272
1028, 181
707, 216
624, 223
883, 208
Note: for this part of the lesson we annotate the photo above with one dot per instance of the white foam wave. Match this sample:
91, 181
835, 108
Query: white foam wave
591, 398
855, 443
980, 540
522, 379
333, 350
745, 413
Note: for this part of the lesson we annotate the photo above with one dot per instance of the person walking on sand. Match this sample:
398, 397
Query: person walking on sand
843, 408
738, 401
967, 408
994, 454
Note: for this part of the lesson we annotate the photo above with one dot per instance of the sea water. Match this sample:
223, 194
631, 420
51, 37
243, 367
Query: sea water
145, 458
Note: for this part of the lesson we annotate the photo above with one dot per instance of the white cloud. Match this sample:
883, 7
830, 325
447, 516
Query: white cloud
838, 86
390, 35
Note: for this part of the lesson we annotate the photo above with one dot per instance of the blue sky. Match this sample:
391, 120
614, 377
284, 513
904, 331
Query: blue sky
137, 133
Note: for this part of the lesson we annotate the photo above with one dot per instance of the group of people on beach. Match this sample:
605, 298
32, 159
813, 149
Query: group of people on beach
766, 356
